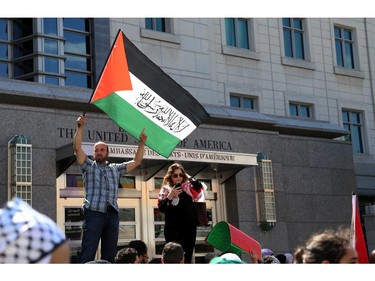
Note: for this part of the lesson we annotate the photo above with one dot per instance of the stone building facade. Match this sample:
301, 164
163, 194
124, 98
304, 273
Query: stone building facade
314, 169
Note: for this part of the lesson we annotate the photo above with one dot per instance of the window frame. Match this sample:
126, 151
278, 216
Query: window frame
339, 70
349, 124
89, 73
154, 24
265, 193
169, 37
293, 30
37, 59
342, 42
250, 53
20, 166
6, 44
236, 35
306, 63
299, 106
254, 101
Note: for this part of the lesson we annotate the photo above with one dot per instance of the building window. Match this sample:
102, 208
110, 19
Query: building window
352, 121
265, 194
127, 182
237, 33
47, 50
344, 47
73, 221
127, 231
78, 53
4, 48
300, 110
73, 180
20, 168
294, 38
242, 102
158, 24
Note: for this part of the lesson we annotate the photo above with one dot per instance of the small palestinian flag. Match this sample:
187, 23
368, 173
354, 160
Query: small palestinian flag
138, 94
357, 236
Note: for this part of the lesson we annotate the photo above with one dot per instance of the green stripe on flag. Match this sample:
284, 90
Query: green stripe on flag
133, 121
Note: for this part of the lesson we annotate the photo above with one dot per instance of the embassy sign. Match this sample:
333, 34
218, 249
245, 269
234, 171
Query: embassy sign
207, 156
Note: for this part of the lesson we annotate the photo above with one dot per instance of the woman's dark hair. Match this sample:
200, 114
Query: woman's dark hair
170, 172
328, 245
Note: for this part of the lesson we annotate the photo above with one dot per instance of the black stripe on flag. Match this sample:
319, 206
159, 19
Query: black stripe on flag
162, 84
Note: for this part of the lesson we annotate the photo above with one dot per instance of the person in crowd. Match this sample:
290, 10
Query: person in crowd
372, 257
289, 258
176, 199
328, 246
172, 253
227, 258
127, 255
254, 257
270, 259
100, 209
27, 236
98, 262
141, 248
281, 258
266, 252
298, 255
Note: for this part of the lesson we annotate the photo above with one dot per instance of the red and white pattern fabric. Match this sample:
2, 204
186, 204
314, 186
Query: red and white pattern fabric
197, 196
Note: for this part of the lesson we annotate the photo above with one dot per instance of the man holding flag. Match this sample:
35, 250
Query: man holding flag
101, 181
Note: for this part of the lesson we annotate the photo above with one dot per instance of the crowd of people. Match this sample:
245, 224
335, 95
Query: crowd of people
27, 236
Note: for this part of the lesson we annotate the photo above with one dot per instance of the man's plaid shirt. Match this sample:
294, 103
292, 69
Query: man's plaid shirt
101, 184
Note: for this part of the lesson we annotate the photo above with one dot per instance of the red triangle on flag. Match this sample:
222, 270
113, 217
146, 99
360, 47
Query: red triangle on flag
115, 75
357, 236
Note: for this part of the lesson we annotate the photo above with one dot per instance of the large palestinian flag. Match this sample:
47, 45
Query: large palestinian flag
138, 94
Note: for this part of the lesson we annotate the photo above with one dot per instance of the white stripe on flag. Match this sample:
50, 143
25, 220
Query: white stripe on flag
156, 109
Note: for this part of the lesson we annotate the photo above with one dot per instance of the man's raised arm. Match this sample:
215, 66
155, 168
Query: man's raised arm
139, 155
77, 140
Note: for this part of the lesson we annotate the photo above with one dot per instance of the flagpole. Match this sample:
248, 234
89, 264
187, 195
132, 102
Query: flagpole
101, 74
354, 208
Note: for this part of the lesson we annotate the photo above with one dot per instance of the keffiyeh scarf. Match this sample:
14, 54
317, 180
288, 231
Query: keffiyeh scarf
27, 236
196, 195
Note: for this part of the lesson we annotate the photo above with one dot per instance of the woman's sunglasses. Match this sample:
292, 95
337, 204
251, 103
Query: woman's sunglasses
178, 175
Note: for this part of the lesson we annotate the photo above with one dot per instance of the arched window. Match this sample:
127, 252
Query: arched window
20, 168
265, 194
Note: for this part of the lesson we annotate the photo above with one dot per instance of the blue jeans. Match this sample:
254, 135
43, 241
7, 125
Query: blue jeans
96, 226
